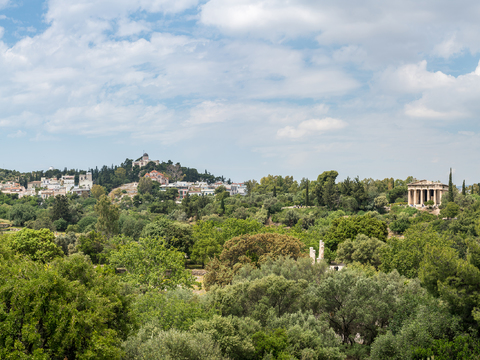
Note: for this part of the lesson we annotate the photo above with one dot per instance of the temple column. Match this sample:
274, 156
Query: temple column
435, 197
428, 194
421, 196
415, 197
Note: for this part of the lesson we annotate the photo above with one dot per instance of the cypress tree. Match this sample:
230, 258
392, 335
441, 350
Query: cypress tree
274, 191
464, 191
450, 187
306, 193
222, 206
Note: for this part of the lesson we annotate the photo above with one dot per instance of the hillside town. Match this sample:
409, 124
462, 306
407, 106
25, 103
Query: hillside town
67, 184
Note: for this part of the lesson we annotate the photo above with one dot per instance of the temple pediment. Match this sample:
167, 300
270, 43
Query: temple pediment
426, 182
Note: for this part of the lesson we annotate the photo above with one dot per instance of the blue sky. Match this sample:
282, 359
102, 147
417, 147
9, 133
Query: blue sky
243, 88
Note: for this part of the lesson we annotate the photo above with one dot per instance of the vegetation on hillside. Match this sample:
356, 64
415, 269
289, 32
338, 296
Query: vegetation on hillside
104, 277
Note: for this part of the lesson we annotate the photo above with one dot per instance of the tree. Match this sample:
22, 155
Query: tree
250, 249
60, 209
97, 191
450, 188
38, 245
329, 195
64, 310
19, 214
121, 174
349, 227
450, 211
171, 194
396, 192
250, 185
405, 255
175, 172
175, 234
362, 249
319, 191
220, 189
464, 191
172, 344
455, 280
209, 236
233, 334
108, 215
60, 224
400, 225
418, 322
257, 248
66, 243
306, 194
359, 193
356, 304
145, 185
92, 244
149, 262
381, 202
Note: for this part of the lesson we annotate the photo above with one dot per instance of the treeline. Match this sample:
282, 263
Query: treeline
114, 176
116, 282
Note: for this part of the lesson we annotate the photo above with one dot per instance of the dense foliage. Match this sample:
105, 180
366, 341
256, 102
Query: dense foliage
109, 276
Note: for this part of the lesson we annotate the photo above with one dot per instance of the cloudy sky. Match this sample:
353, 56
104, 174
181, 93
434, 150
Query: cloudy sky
243, 88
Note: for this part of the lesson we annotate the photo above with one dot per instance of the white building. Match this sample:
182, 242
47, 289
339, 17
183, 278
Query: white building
144, 161
68, 182
85, 180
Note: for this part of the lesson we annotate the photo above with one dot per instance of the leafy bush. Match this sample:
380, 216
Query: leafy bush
349, 227
39, 245
63, 310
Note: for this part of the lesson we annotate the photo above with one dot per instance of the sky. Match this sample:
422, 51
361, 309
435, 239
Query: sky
243, 88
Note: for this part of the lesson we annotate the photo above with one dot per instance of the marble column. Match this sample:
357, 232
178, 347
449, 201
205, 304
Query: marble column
435, 197
428, 194
421, 197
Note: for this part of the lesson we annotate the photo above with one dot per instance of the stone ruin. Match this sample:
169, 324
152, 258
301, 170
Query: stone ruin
321, 251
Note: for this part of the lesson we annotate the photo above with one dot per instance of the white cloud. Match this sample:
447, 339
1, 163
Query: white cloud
265, 16
127, 27
448, 47
311, 127
77, 11
413, 78
419, 110
444, 97
109, 119
387, 32
17, 134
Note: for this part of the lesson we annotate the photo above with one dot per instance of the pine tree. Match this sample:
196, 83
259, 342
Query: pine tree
450, 187
464, 191
274, 191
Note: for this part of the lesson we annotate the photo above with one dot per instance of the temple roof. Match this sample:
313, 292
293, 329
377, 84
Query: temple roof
425, 182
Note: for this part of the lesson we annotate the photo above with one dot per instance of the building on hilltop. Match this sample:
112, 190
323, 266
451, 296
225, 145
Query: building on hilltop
144, 161
158, 177
85, 180
34, 184
422, 191
68, 182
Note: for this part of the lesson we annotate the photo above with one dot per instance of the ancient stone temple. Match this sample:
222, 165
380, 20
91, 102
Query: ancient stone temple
422, 191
